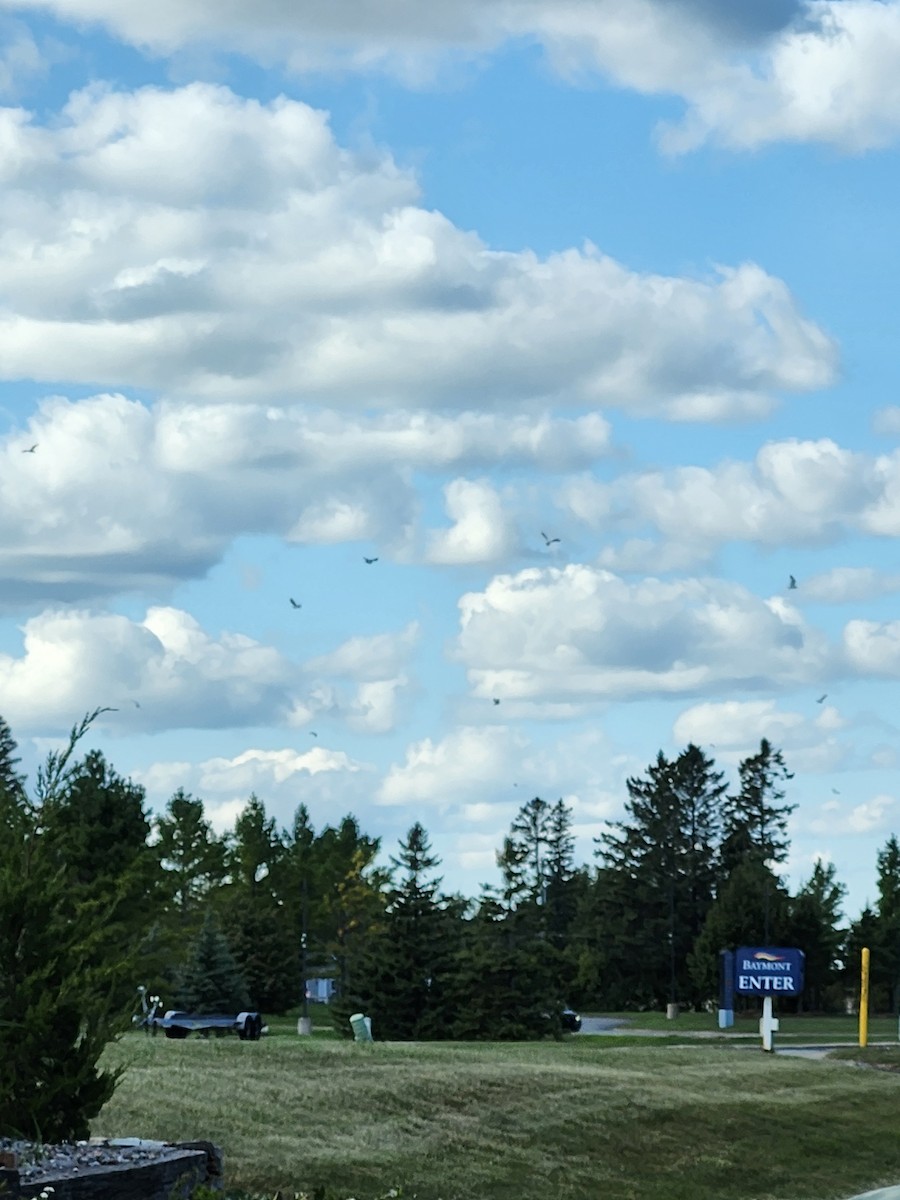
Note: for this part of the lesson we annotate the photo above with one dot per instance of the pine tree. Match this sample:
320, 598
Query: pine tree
58, 967
660, 864
211, 981
96, 828
751, 909
885, 950
257, 923
192, 857
403, 981
504, 988
755, 819
815, 924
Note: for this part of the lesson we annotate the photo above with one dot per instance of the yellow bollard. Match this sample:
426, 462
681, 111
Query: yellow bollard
864, 999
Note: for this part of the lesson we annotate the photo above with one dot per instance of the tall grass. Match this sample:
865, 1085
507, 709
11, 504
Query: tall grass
567, 1121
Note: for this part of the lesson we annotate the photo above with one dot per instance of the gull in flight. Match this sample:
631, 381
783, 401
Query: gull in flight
31, 449
369, 560
549, 540
792, 583
294, 603
822, 698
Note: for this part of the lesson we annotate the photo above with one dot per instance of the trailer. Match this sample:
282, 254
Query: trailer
174, 1024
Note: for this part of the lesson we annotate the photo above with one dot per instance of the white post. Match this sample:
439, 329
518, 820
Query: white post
767, 1025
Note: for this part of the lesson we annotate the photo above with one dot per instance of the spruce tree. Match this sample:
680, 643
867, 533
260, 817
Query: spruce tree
756, 820
815, 928
192, 857
59, 968
211, 981
404, 979
885, 948
751, 909
659, 865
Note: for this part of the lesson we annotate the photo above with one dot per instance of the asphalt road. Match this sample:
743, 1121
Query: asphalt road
602, 1024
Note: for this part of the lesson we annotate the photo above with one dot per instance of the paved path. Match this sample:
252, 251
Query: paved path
602, 1024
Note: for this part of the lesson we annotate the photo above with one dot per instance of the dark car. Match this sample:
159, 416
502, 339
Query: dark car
570, 1020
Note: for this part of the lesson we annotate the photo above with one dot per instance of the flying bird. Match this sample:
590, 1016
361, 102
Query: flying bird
496, 701
822, 698
549, 540
369, 560
312, 733
835, 792
792, 583
136, 703
31, 449
294, 603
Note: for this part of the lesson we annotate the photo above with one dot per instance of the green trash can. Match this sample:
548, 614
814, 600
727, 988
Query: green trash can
362, 1028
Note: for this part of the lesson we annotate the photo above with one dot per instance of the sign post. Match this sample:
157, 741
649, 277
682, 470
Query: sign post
726, 989
767, 971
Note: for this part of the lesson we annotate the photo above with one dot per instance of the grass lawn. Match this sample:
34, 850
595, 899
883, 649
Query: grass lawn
584, 1119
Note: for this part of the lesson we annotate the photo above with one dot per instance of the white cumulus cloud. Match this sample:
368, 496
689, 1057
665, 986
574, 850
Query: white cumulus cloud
215, 247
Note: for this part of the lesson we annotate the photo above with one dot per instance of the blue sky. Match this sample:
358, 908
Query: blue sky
285, 287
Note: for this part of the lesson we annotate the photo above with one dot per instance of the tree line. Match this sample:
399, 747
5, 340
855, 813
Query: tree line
97, 895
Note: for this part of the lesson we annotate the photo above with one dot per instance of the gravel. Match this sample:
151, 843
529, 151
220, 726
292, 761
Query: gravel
36, 1161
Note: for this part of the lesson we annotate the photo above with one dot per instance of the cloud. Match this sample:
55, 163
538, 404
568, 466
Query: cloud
830, 78
483, 530
369, 658
869, 817
748, 73
21, 58
582, 634
216, 248
872, 648
166, 672
178, 674
737, 724
468, 761
842, 585
794, 492
886, 421
319, 777
122, 496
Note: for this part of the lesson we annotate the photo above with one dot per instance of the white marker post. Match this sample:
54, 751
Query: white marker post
768, 1025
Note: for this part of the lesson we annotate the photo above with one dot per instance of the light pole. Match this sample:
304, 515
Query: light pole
304, 1025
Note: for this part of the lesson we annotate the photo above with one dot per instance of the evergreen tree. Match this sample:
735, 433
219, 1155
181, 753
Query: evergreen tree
257, 923
193, 858
755, 818
96, 828
11, 782
659, 866
885, 946
504, 987
815, 924
864, 933
211, 981
403, 980
562, 880
750, 905
354, 903
530, 836
58, 966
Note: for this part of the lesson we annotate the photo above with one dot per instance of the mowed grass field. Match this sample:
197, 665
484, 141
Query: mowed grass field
584, 1119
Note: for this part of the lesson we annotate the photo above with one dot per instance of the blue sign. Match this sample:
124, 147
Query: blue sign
768, 971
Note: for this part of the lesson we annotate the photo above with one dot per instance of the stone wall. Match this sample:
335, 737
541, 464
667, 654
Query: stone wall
177, 1170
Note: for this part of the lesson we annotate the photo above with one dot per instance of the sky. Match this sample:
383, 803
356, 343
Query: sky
578, 317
